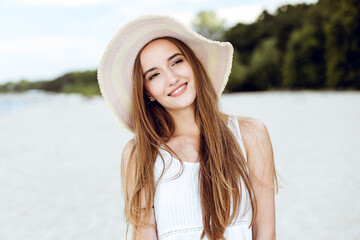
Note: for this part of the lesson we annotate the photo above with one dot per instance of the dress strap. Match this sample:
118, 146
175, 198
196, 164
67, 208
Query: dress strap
233, 124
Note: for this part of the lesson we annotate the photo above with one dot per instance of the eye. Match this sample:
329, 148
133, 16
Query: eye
177, 62
153, 76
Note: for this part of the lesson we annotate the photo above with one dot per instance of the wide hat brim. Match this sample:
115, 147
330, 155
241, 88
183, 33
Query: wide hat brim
116, 66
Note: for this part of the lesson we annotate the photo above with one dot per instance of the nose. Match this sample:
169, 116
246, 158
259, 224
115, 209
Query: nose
172, 78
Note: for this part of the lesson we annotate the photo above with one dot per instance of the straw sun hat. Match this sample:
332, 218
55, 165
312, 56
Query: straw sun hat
116, 66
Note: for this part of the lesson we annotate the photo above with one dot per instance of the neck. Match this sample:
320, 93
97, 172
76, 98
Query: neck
185, 124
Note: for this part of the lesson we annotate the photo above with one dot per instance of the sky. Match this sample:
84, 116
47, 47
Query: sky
44, 39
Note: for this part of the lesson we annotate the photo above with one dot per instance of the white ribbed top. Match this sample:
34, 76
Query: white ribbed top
177, 201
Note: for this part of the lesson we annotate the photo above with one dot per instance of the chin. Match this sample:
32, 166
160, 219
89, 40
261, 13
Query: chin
185, 105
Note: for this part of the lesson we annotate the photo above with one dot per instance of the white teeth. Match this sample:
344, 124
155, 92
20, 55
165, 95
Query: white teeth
178, 90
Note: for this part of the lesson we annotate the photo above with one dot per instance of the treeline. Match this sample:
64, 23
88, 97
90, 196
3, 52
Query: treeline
74, 82
298, 47
301, 46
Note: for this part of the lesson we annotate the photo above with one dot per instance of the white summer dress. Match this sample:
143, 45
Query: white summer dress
177, 203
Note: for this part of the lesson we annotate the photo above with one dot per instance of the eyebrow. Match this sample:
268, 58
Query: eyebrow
169, 59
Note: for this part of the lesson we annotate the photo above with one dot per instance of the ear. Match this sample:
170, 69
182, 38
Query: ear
148, 95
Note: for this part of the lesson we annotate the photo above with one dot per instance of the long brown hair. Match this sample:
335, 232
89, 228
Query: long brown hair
222, 164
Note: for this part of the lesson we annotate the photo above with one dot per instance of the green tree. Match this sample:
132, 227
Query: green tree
80, 82
75, 82
209, 25
238, 75
304, 60
246, 37
342, 31
288, 18
265, 65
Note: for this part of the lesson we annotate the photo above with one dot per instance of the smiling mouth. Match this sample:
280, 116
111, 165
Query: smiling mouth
178, 90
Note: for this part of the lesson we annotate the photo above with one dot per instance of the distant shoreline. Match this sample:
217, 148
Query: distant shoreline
13, 101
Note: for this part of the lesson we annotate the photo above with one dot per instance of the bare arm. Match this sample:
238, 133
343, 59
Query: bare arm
145, 233
261, 164
148, 233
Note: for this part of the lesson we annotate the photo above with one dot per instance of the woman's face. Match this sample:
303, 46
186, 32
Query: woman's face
168, 76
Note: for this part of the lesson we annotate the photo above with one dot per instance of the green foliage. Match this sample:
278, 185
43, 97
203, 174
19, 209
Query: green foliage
262, 72
246, 37
237, 78
304, 63
7, 87
317, 46
265, 65
288, 18
75, 82
342, 31
21, 86
209, 25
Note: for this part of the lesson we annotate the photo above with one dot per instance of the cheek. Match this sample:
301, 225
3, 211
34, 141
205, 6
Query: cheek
188, 71
155, 89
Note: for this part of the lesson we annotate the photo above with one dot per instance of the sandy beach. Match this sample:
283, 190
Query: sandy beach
60, 159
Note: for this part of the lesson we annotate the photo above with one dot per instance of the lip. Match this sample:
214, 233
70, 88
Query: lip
181, 91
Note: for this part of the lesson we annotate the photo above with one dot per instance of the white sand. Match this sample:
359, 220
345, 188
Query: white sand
60, 159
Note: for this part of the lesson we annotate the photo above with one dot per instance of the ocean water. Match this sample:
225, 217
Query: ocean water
19, 101
60, 164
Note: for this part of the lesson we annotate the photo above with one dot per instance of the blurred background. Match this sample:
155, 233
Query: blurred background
295, 67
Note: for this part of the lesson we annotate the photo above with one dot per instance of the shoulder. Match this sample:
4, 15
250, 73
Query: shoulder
127, 166
256, 139
128, 149
252, 127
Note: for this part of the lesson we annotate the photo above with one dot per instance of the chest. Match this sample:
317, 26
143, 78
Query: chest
177, 202
185, 148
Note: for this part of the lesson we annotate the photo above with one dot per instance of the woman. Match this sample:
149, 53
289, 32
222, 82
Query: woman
189, 173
